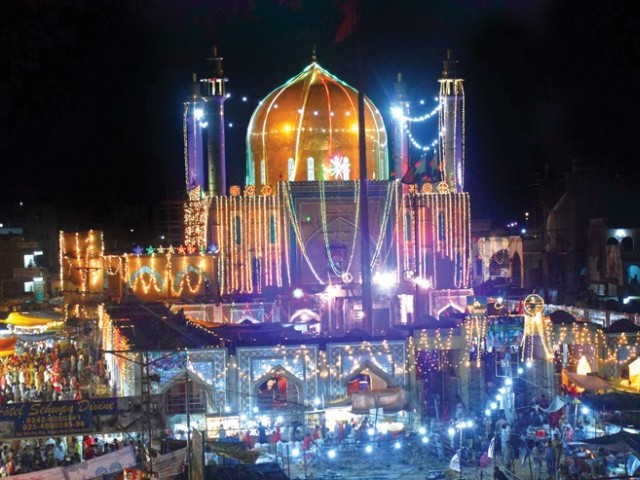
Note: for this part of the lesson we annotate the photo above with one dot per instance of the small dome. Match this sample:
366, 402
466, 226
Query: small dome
307, 130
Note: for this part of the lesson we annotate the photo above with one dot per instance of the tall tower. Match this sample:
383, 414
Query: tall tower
400, 109
214, 95
193, 125
451, 125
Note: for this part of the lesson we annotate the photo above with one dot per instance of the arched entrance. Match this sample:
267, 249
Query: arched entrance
499, 264
366, 378
182, 388
278, 389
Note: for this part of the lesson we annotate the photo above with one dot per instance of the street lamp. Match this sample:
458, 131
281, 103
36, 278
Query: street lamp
460, 426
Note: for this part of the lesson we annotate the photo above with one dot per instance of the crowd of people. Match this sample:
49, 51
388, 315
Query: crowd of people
49, 371
19, 457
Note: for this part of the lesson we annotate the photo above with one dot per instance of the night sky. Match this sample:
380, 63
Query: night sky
91, 92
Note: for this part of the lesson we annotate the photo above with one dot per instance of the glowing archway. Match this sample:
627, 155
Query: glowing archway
277, 389
304, 314
450, 305
182, 276
155, 278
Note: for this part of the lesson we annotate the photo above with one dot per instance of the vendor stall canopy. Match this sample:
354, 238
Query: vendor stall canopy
621, 442
25, 320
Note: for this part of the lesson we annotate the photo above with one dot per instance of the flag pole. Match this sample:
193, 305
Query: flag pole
365, 253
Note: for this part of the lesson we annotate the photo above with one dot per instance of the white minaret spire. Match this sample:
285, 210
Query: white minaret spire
451, 125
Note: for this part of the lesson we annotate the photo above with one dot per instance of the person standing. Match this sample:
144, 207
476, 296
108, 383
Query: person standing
277, 436
550, 457
306, 444
262, 434
504, 443
247, 440
347, 430
499, 474
459, 408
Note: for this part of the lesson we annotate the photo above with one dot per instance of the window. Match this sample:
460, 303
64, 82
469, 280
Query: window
176, 399
272, 229
441, 226
292, 169
238, 230
311, 169
29, 261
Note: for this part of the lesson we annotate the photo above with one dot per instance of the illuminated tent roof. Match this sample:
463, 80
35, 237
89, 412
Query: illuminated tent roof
23, 320
620, 442
588, 382
307, 129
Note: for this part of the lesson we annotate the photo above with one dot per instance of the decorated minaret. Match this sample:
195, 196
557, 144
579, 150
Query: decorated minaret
214, 95
203, 130
400, 110
193, 125
451, 125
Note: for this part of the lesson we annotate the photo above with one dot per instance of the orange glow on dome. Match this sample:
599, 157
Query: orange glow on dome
304, 130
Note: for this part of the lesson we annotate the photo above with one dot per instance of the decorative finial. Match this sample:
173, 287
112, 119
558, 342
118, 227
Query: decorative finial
449, 65
314, 57
217, 62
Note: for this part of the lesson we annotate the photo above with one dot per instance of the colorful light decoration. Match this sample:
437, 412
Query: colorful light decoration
251, 231
452, 101
476, 326
323, 213
310, 115
442, 230
339, 167
196, 216
166, 273
535, 324
80, 258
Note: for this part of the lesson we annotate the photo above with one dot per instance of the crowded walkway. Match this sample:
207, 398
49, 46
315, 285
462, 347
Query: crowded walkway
24, 456
51, 371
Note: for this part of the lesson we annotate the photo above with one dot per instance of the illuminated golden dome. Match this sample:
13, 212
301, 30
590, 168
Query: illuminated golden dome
307, 129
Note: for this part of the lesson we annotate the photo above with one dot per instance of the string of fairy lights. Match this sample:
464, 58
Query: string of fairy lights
325, 235
80, 258
396, 112
426, 350
406, 121
251, 245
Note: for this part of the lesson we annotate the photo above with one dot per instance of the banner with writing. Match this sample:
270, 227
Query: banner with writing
56, 473
114, 462
170, 464
110, 463
34, 419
